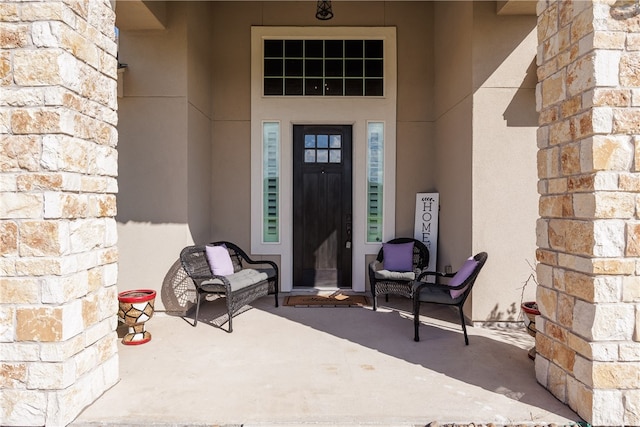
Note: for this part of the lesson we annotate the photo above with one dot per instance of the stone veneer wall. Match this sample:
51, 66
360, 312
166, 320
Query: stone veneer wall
58, 168
589, 231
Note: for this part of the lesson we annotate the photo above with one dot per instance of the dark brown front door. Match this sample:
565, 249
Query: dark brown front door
322, 206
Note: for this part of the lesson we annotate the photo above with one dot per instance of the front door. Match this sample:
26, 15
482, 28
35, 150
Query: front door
322, 206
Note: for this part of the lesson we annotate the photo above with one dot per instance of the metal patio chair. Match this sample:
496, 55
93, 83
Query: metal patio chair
385, 281
454, 293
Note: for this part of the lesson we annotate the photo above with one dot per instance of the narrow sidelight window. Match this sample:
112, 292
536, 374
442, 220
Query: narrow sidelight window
375, 179
271, 182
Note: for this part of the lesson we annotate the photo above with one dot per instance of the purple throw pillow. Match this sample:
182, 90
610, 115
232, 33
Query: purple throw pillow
398, 256
219, 260
462, 275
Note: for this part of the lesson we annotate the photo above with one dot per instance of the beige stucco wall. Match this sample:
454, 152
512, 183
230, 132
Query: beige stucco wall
505, 200
164, 147
486, 151
415, 126
231, 131
453, 124
463, 96
199, 119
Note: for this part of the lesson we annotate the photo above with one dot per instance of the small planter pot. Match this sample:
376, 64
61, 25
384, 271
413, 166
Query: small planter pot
135, 308
530, 310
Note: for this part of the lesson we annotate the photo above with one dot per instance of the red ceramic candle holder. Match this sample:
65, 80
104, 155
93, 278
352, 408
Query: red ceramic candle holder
135, 308
530, 309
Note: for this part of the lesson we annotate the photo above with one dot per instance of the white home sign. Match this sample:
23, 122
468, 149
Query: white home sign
426, 225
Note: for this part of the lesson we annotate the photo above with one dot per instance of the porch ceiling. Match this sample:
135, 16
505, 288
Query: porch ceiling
151, 15
516, 7
141, 15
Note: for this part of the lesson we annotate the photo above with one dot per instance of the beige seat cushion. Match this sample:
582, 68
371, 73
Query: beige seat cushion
395, 275
241, 279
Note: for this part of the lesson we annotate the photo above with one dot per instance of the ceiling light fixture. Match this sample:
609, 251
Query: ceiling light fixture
324, 11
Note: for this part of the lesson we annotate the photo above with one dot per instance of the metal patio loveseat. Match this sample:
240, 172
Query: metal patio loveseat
222, 268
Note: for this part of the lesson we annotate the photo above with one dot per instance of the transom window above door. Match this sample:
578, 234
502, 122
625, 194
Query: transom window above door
323, 67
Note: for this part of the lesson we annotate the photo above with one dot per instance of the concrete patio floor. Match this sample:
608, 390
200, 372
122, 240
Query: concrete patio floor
334, 366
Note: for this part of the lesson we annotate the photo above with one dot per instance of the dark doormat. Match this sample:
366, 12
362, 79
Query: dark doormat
333, 300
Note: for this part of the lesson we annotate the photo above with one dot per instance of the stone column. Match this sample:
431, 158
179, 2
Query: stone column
58, 168
588, 233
